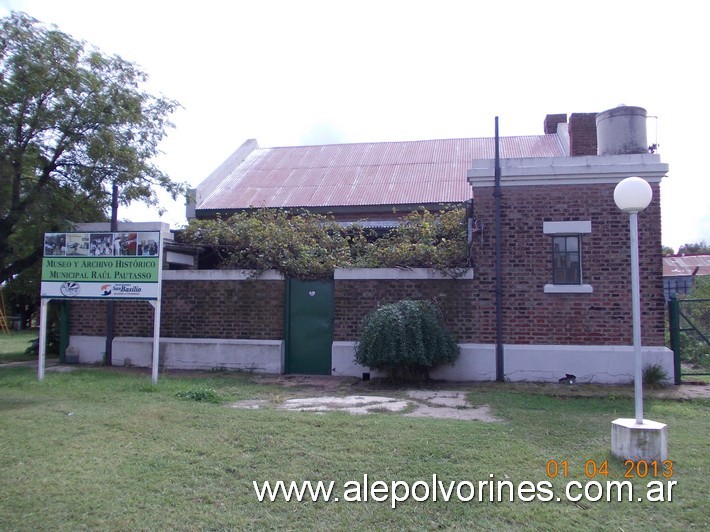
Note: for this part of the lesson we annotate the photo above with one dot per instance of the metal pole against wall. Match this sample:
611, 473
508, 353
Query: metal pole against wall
674, 330
156, 315
110, 311
500, 366
636, 316
155, 365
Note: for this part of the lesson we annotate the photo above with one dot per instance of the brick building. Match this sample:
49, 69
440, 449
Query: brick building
565, 270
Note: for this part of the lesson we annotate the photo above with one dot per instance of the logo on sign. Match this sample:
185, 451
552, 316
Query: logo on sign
70, 289
126, 289
106, 290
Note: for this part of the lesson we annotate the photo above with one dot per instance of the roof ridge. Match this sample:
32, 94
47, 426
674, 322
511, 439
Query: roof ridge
401, 141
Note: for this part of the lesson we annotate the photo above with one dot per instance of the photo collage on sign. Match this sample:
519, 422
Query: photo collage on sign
125, 244
55, 244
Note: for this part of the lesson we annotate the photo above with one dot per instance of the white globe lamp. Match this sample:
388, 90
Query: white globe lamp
633, 194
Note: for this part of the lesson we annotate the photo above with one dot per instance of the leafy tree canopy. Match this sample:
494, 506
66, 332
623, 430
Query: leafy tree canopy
697, 248
72, 122
667, 250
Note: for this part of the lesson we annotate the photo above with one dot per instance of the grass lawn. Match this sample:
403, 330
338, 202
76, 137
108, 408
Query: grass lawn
13, 345
104, 449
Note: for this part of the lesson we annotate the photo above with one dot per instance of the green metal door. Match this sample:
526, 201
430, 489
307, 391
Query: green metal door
309, 327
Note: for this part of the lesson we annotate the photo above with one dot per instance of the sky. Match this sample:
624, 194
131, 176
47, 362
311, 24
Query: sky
317, 72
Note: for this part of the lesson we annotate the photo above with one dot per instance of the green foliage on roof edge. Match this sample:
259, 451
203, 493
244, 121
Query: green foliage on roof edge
311, 246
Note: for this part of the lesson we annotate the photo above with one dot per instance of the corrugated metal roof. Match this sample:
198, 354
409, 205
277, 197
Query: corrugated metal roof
377, 173
685, 265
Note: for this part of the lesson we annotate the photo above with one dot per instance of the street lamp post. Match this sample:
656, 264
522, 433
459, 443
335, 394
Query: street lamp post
632, 195
636, 439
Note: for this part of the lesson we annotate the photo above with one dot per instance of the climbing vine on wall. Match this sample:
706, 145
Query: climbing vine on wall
311, 246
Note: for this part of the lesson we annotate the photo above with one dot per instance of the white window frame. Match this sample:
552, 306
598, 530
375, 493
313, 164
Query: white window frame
572, 228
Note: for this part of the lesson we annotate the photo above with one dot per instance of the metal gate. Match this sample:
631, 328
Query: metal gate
689, 327
309, 326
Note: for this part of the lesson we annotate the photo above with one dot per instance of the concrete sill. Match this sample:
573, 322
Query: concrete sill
568, 289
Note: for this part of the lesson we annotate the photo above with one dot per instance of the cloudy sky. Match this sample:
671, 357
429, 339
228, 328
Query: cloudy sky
312, 72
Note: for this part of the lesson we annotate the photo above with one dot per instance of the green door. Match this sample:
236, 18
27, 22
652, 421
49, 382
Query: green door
309, 327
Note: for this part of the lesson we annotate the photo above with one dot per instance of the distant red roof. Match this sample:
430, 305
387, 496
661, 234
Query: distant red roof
686, 265
375, 173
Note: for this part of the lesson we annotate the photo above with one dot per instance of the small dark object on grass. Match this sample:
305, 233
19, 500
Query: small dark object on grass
569, 378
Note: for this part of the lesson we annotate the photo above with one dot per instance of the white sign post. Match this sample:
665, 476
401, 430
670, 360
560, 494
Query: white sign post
156, 303
44, 303
104, 266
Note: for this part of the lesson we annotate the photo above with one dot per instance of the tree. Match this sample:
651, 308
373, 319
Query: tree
697, 248
72, 122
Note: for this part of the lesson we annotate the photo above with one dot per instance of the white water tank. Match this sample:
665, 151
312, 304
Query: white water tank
622, 130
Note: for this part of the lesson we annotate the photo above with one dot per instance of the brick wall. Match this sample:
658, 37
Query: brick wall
248, 309
354, 299
132, 318
533, 317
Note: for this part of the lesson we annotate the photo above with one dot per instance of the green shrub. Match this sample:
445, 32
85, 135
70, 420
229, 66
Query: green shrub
406, 339
52, 346
654, 376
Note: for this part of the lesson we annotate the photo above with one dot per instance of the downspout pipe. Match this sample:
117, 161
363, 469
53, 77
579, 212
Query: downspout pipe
497, 194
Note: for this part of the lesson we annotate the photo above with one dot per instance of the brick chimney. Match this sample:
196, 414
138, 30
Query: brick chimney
582, 134
551, 122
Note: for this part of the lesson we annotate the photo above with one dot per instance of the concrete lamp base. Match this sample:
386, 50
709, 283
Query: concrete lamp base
630, 441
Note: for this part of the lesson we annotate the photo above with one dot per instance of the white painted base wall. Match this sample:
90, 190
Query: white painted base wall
534, 363
260, 356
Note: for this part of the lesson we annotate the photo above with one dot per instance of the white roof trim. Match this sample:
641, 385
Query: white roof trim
592, 169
